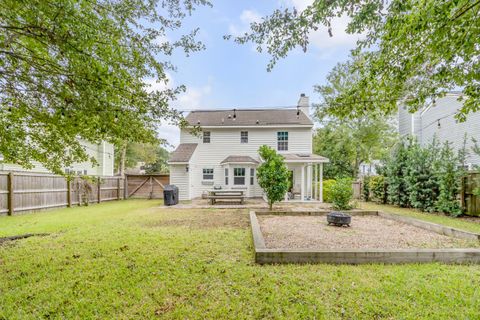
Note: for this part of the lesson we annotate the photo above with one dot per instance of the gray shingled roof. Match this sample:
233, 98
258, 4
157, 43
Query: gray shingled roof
239, 159
183, 153
301, 157
259, 117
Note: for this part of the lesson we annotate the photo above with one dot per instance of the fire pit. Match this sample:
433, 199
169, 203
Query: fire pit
339, 219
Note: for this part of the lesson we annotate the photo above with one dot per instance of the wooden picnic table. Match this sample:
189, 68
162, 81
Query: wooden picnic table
214, 195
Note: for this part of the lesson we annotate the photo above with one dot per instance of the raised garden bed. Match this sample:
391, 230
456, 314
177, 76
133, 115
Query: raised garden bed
374, 237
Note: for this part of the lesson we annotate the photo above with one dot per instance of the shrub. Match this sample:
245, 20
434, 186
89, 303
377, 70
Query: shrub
378, 189
327, 190
366, 188
396, 171
449, 182
341, 193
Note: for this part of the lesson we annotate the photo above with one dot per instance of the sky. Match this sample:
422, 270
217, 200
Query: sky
227, 75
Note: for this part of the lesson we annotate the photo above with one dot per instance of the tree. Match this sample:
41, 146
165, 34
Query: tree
161, 163
396, 170
77, 69
349, 141
412, 51
153, 155
421, 179
272, 175
449, 178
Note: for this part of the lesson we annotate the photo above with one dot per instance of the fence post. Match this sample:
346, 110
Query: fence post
99, 190
118, 188
125, 187
10, 193
69, 192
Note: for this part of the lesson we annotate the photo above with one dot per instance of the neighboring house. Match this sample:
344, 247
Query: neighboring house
103, 153
438, 120
225, 153
368, 168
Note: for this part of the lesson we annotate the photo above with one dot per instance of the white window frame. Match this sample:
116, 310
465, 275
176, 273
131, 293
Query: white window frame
206, 175
226, 176
243, 136
207, 137
282, 140
252, 176
237, 176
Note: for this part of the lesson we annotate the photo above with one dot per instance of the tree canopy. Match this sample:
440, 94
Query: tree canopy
153, 155
348, 141
411, 51
76, 69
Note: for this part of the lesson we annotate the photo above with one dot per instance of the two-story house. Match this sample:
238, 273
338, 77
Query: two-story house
225, 153
437, 119
102, 152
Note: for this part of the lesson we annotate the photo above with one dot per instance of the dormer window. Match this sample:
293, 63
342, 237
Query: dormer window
244, 137
206, 137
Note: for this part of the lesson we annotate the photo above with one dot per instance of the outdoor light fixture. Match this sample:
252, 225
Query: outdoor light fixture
438, 124
298, 112
234, 114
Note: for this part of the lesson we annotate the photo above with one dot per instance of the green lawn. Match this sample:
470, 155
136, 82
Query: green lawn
435, 218
135, 259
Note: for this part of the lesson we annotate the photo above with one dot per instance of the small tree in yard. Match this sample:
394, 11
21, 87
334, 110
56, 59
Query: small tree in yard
272, 175
342, 194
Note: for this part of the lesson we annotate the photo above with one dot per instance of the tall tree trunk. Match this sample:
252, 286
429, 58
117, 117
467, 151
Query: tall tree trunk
123, 154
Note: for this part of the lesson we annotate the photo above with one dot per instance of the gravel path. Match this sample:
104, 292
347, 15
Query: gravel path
372, 232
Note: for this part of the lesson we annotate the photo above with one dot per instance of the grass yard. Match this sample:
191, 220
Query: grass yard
136, 259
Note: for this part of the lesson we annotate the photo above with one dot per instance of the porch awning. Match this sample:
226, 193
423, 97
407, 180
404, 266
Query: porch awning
304, 158
239, 160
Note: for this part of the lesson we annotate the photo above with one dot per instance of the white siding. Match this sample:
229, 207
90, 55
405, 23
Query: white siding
450, 130
103, 153
225, 142
426, 125
180, 177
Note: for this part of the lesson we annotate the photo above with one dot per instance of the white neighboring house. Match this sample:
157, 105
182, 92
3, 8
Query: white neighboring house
368, 168
225, 153
103, 153
438, 119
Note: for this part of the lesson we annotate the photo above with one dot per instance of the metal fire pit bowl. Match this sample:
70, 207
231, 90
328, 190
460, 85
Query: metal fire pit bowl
339, 219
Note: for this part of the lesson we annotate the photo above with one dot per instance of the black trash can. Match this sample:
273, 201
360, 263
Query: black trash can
170, 195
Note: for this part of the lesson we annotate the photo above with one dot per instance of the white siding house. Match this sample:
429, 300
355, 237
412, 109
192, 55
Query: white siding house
225, 153
103, 153
438, 120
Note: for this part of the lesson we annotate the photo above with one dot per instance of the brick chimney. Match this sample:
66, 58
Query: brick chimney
304, 104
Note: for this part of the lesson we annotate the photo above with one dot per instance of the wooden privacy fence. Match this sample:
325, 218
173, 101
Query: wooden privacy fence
146, 186
470, 201
26, 191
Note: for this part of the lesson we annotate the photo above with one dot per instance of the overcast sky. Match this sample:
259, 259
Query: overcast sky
227, 75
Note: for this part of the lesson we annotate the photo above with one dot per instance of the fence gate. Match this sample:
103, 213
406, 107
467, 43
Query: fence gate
471, 202
146, 186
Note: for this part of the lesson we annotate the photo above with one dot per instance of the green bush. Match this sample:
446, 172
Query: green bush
378, 189
341, 193
327, 188
366, 188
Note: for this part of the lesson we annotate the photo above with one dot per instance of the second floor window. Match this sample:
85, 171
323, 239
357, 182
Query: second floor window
282, 141
208, 174
244, 137
206, 137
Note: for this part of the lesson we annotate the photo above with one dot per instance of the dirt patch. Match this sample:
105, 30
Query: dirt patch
22, 236
366, 232
206, 219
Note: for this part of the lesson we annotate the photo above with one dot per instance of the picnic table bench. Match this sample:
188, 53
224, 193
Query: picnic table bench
215, 195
